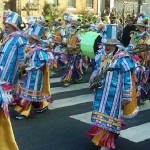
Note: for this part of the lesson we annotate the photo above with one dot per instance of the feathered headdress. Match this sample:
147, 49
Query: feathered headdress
142, 20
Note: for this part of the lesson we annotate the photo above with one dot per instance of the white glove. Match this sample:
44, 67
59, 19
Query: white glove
30, 68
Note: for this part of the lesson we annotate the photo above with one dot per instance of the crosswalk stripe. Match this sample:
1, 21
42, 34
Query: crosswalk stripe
86, 117
77, 99
54, 80
70, 88
71, 101
146, 106
137, 133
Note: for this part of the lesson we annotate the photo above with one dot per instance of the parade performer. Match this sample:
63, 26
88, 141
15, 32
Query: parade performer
67, 19
29, 26
112, 82
66, 30
59, 49
12, 50
6, 132
11, 59
139, 38
140, 80
35, 92
73, 72
86, 61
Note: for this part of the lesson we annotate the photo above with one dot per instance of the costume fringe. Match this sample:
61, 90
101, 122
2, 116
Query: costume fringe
102, 137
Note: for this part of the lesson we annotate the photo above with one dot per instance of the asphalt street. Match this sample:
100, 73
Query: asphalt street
62, 128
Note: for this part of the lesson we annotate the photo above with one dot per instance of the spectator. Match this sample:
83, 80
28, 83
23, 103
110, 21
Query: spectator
127, 30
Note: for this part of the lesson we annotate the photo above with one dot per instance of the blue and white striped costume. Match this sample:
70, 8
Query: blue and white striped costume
116, 91
33, 80
12, 56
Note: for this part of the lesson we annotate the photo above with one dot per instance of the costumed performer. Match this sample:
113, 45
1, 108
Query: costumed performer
35, 92
113, 93
11, 58
139, 38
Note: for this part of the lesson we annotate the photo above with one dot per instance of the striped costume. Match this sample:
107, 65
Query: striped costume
143, 70
12, 56
33, 81
111, 97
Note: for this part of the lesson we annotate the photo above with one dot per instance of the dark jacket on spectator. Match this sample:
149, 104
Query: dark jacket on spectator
126, 34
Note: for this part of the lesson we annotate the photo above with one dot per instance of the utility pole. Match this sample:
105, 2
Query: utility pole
139, 5
18, 7
99, 7
123, 13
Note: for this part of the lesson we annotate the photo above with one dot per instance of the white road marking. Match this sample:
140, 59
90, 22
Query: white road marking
87, 119
137, 133
70, 88
71, 101
53, 80
146, 106
84, 117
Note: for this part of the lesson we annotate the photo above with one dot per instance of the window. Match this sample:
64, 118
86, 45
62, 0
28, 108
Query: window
107, 4
56, 2
72, 3
89, 3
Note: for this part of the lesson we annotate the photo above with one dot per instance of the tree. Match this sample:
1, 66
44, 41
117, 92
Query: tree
89, 16
51, 12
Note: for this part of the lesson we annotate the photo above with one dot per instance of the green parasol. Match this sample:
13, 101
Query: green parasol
87, 43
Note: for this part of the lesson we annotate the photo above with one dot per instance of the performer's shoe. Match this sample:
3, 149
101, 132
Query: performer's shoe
66, 84
20, 117
42, 110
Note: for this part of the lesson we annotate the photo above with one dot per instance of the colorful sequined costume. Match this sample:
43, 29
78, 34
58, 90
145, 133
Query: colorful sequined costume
11, 59
111, 97
142, 71
36, 84
59, 49
73, 72
8, 141
12, 55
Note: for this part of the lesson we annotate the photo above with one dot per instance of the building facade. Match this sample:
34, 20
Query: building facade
146, 7
35, 7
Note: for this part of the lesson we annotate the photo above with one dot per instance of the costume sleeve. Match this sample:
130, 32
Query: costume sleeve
98, 61
42, 59
21, 50
131, 45
127, 67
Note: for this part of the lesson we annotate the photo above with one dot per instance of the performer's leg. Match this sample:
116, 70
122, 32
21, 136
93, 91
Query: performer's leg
42, 106
103, 138
67, 75
7, 139
24, 109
